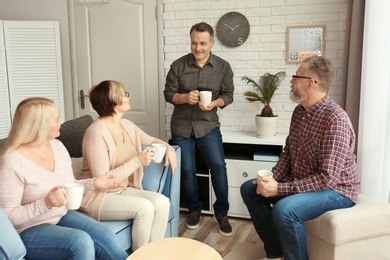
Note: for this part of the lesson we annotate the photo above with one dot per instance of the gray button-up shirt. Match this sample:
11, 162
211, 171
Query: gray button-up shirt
183, 77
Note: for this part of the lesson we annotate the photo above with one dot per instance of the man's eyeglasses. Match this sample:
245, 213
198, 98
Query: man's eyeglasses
302, 77
127, 94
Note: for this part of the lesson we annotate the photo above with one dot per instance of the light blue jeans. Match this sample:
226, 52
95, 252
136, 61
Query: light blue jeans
210, 146
279, 220
76, 236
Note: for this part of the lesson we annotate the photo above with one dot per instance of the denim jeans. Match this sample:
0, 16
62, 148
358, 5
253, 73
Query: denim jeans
76, 236
210, 146
279, 220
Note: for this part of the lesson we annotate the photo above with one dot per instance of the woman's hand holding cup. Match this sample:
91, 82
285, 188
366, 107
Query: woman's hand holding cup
146, 156
55, 197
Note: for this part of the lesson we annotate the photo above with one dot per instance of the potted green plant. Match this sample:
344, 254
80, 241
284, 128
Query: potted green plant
266, 121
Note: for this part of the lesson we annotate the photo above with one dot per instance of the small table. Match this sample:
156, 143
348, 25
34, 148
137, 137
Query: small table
175, 248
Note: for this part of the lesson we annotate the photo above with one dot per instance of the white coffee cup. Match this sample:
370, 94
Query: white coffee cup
205, 97
265, 173
159, 152
74, 195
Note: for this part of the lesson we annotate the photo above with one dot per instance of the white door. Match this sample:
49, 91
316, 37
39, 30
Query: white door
118, 40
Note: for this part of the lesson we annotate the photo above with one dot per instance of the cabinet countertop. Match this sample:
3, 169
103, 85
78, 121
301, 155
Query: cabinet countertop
251, 138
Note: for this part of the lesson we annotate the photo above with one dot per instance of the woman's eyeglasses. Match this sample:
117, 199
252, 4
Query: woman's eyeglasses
127, 94
302, 77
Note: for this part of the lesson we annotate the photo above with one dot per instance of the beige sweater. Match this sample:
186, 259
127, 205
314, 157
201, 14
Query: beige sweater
99, 156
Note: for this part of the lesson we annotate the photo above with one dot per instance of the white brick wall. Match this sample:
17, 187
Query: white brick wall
264, 51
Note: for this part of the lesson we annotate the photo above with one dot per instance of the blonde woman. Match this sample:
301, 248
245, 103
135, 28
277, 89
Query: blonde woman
113, 145
34, 166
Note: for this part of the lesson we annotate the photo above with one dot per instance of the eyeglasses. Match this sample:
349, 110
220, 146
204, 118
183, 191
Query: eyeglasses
302, 77
127, 94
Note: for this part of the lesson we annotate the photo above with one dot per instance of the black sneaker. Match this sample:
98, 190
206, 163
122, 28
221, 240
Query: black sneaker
224, 226
193, 220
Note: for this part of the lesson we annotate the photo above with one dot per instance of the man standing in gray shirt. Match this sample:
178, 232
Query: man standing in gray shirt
195, 125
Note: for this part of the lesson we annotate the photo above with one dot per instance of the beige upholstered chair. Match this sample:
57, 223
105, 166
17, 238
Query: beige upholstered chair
360, 232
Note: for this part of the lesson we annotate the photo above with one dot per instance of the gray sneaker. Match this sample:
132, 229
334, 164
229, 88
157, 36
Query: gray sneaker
224, 225
193, 220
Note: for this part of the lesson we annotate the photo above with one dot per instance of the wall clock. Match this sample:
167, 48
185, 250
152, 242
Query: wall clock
233, 29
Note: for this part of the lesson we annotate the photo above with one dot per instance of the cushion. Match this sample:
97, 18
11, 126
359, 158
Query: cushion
72, 134
77, 165
369, 218
122, 229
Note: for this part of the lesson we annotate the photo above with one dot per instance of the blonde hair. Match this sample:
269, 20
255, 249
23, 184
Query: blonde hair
31, 124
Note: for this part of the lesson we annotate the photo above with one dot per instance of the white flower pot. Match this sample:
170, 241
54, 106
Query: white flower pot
266, 126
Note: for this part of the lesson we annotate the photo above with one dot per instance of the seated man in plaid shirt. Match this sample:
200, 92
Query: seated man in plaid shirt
316, 172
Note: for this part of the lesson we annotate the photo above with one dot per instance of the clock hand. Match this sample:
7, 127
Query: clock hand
228, 26
234, 27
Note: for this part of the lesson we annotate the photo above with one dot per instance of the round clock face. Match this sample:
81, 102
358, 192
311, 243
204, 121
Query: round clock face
233, 29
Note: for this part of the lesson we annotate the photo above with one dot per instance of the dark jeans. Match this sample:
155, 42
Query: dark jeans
280, 226
211, 148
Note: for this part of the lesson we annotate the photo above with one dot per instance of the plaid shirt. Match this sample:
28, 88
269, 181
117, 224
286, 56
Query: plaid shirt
319, 152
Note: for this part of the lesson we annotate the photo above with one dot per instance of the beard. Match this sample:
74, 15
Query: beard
297, 96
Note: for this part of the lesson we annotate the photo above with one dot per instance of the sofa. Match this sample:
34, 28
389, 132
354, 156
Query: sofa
157, 178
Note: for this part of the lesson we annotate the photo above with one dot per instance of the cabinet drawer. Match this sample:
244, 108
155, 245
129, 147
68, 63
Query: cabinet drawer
239, 171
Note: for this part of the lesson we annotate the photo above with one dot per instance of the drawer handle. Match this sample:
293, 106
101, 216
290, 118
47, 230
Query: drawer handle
245, 174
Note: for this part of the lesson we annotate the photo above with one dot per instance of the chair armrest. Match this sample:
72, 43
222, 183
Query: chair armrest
155, 175
172, 191
11, 246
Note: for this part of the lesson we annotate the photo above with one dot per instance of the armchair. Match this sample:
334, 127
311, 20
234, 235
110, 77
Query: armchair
157, 178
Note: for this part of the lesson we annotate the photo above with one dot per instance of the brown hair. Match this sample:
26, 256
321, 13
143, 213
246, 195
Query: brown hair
203, 27
105, 96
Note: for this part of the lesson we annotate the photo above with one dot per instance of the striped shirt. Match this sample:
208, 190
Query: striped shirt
319, 152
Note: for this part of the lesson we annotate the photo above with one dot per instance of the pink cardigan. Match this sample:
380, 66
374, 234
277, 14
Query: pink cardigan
99, 156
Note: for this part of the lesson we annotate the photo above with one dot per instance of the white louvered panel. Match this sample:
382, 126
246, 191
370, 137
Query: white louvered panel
5, 115
34, 61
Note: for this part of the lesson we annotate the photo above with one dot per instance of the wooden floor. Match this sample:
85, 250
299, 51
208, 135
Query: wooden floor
207, 232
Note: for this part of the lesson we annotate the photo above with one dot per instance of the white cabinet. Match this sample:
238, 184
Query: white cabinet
30, 65
239, 171
239, 148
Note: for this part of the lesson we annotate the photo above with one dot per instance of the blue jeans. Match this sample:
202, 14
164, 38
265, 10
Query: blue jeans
280, 226
210, 146
76, 236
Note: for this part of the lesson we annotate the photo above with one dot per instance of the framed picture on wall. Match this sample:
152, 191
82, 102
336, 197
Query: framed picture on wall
304, 41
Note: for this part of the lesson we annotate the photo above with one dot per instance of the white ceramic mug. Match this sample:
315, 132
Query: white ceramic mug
74, 195
205, 97
159, 152
265, 173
